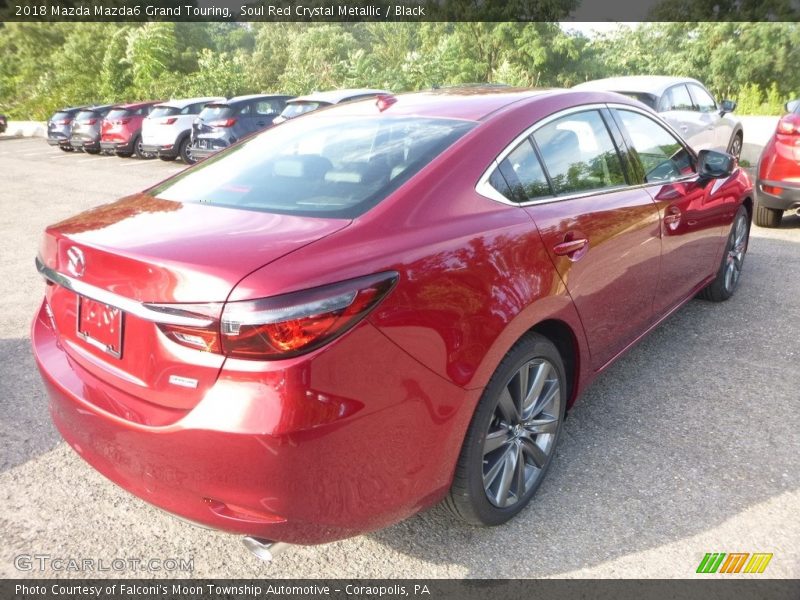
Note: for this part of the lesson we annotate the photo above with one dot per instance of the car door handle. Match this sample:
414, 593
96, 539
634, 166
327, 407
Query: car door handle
673, 218
261, 123
570, 247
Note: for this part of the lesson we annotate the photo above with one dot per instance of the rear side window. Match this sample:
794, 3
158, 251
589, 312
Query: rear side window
661, 155
245, 110
216, 111
522, 175
647, 99
328, 167
676, 98
579, 154
268, 107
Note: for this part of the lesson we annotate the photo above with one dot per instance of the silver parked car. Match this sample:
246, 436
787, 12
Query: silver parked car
167, 131
316, 100
685, 104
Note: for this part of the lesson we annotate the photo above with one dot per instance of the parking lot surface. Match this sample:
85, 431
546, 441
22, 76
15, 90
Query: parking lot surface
687, 445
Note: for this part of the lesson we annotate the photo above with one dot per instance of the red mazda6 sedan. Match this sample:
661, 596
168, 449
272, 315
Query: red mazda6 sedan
383, 305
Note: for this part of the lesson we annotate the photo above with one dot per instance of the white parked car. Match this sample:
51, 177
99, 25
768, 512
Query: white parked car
685, 104
167, 130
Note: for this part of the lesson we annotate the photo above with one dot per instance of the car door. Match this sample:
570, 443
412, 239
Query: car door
721, 129
600, 233
678, 109
692, 211
245, 120
265, 112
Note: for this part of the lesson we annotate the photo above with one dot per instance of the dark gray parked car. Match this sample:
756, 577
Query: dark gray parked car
87, 127
59, 127
224, 123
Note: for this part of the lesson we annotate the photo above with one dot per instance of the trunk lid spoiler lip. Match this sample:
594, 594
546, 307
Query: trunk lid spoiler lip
148, 312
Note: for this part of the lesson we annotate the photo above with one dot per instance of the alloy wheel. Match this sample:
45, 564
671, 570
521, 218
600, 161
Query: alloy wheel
735, 258
736, 147
522, 433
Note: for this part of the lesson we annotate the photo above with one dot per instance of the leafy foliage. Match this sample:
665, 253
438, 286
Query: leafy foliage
48, 65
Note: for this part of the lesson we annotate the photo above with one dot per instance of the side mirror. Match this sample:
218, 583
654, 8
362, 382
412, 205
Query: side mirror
727, 106
792, 106
715, 165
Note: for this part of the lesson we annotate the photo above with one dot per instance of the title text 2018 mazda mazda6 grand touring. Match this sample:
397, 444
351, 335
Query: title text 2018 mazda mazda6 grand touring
377, 307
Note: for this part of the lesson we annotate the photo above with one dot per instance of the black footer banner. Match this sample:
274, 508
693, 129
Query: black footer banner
395, 589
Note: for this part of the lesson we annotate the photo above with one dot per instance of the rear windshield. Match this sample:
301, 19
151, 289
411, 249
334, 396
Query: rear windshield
85, 115
335, 167
216, 111
60, 116
295, 109
118, 113
164, 111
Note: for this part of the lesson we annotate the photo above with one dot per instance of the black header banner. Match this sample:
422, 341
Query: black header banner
398, 10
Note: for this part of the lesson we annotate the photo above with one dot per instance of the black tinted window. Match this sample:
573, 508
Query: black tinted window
61, 116
85, 115
327, 167
579, 154
523, 174
662, 156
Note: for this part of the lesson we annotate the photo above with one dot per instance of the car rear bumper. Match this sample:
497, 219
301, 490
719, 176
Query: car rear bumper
85, 144
311, 452
778, 195
116, 146
160, 149
59, 141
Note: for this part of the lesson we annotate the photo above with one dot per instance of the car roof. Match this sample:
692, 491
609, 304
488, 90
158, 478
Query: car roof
184, 102
646, 84
337, 96
94, 107
238, 99
71, 108
470, 103
133, 105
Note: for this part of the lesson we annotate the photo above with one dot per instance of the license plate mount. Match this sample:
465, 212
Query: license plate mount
100, 325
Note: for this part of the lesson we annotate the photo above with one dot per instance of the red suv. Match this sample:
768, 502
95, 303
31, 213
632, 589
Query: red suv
356, 314
122, 130
778, 181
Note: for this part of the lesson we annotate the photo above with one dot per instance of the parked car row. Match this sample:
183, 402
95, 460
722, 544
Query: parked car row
189, 129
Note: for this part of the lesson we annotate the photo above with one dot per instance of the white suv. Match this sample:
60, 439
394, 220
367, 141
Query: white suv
167, 130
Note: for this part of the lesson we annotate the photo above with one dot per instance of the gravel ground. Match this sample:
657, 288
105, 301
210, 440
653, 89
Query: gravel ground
687, 445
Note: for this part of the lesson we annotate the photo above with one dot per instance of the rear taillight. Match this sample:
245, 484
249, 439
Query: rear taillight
281, 326
90, 121
64, 122
170, 121
223, 123
789, 125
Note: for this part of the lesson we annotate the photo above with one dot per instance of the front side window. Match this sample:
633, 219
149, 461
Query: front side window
702, 99
579, 154
336, 167
662, 156
676, 98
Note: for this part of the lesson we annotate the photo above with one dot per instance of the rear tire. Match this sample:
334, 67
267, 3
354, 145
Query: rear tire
92, 151
730, 270
767, 217
66, 148
185, 151
513, 435
167, 158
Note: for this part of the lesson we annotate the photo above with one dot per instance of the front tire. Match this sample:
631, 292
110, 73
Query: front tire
729, 273
513, 434
736, 146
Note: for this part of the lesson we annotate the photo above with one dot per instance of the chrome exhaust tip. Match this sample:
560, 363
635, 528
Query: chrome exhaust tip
263, 549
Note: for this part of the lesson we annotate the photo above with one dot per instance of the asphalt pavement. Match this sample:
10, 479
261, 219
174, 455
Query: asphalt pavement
687, 445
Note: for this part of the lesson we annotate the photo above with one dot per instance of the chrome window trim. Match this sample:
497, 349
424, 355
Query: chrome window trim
485, 189
127, 305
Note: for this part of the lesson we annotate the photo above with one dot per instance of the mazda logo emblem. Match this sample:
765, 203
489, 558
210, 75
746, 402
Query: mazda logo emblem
76, 263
